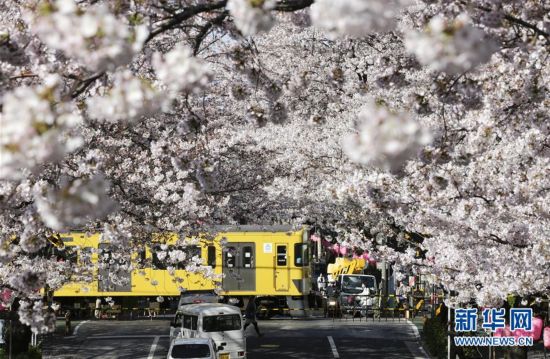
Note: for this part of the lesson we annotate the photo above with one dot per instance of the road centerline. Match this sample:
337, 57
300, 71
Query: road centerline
153, 348
333, 347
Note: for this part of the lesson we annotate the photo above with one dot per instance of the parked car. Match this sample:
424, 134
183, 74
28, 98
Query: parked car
192, 348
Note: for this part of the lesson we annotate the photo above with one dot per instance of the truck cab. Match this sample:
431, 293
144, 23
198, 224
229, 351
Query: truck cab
356, 291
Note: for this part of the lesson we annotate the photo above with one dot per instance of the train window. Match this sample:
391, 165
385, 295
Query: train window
157, 262
190, 322
281, 255
169, 255
230, 257
67, 254
301, 255
85, 256
247, 257
211, 260
192, 251
171, 259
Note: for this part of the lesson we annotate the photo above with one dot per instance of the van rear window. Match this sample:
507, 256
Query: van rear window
185, 351
221, 323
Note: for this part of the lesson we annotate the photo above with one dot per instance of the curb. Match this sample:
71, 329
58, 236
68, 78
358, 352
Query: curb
418, 339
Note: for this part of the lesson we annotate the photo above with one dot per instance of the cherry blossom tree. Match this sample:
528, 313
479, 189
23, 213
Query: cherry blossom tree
400, 126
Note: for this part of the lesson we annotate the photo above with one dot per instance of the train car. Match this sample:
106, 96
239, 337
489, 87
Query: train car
264, 261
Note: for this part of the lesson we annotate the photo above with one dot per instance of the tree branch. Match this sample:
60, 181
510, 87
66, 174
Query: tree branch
520, 22
292, 5
186, 14
204, 31
497, 239
81, 86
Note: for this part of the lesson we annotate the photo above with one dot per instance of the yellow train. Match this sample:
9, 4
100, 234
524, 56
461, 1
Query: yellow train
255, 260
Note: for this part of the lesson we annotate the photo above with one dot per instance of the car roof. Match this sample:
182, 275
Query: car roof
181, 341
209, 309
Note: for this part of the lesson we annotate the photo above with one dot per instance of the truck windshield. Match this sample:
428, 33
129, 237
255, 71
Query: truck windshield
221, 323
353, 284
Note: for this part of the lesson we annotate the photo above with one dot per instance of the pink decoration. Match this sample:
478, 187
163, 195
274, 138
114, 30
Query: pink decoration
364, 256
520, 333
343, 250
546, 337
372, 262
315, 238
506, 332
5, 296
537, 329
325, 243
499, 332
336, 248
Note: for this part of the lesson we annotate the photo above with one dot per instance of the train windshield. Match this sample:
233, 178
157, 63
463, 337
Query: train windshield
221, 323
354, 284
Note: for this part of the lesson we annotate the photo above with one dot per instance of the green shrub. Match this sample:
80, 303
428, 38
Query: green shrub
21, 338
33, 353
435, 337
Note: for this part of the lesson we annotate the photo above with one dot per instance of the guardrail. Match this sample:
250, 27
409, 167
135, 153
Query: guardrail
380, 307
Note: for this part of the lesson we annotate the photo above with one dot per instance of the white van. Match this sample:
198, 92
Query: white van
192, 348
221, 322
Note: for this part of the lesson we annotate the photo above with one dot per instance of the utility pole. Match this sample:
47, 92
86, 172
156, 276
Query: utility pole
11, 334
450, 344
384, 280
449, 333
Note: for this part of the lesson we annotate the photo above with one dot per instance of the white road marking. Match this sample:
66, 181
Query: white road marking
153, 348
411, 348
75, 331
333, 347
414, 329
415, 350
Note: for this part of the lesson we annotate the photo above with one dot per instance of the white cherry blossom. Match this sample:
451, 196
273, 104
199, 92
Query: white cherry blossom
452, 46
386, 139
252, 16
128, 100
356, 18
93, 36
74, 203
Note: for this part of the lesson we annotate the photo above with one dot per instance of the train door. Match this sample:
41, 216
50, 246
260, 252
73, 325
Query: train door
282, 272
109, 263
239, 267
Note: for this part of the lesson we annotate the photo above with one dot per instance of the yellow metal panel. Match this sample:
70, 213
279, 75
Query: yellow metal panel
265, 261
150, 282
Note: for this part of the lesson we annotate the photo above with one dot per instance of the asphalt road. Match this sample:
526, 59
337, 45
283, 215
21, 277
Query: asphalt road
284, 338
